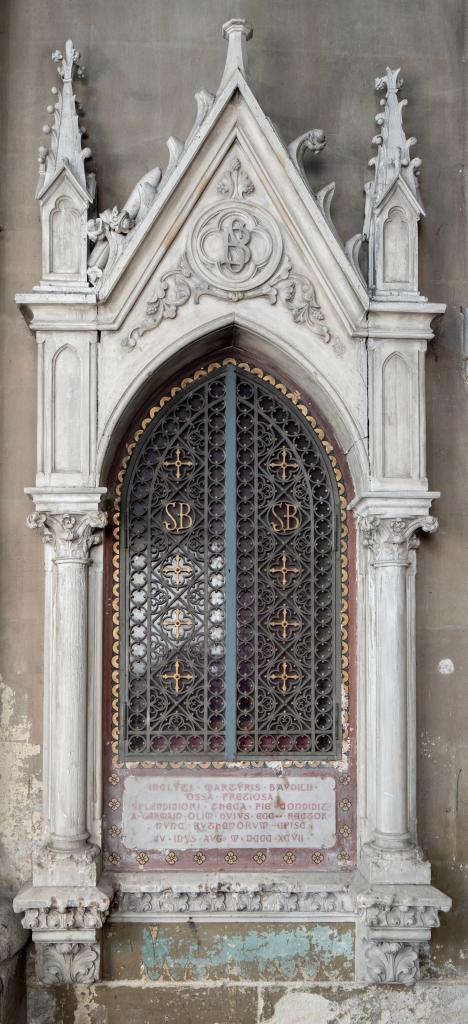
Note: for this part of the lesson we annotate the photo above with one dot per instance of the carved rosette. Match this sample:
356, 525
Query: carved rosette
61, 963
392, 962
391, 540
72, 535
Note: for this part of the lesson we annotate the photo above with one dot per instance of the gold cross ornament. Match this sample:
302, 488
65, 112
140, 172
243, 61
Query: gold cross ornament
285, 675
176, 675
177, 623
283, 569
283, 465
178, 570
178, 463
285, 623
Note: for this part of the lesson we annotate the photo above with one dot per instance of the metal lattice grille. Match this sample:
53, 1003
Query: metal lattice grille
231, 564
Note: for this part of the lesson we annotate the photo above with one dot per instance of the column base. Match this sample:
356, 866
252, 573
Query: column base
66, 925
80, 867
395, 865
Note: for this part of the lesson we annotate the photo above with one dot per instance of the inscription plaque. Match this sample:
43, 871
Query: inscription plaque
185, 813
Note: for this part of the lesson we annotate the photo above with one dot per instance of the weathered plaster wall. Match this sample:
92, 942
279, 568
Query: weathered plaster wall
222, 1004
312, 64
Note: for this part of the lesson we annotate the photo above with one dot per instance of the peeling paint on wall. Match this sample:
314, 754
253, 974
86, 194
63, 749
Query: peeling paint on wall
20, 790
446, 667
302, 1008
266, 952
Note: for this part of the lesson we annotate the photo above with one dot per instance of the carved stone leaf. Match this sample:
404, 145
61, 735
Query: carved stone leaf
392, 962
69, 962
84, 963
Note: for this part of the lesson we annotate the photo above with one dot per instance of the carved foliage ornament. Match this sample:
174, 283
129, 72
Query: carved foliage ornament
71, 535
68, 962
271, 900
391, 540
402, 917
392, 962
72, 917
234, 252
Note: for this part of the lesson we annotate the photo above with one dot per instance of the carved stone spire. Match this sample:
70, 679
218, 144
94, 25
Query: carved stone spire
393, 205
393, 152
65, 134
237, 31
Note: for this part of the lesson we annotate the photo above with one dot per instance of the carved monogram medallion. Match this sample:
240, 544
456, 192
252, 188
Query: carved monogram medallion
235, 246
234, 252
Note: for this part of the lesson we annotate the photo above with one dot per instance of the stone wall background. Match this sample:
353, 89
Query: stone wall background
313, 64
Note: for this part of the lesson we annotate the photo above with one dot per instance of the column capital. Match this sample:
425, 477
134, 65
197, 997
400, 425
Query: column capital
71, 534
391, 539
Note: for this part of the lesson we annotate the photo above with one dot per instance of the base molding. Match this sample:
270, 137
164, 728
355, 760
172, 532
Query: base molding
392, 922
395, 866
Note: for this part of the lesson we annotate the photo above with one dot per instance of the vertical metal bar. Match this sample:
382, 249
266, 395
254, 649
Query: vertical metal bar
231, 563
124, 613
207, 540
256, 556
313, 626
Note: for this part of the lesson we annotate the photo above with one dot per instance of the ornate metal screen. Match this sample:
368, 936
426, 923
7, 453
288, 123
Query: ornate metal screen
230, 558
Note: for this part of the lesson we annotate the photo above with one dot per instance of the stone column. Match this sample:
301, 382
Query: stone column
72, 536
390, 541
67, 903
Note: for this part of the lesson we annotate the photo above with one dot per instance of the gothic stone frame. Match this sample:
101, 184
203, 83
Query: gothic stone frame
156, 284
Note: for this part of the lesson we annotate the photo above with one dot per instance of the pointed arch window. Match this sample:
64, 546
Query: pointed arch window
231, 577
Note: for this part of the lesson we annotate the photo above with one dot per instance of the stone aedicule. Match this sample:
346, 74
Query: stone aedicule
230, 236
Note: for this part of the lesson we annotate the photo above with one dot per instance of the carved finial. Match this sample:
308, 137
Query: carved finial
237, 31
68, 66
65, 133
393, 153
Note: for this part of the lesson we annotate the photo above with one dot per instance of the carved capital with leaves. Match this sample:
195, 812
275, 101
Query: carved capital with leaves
390, 540
72, 535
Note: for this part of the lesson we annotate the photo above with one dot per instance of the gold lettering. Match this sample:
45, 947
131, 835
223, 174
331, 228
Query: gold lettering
285, 518
180, 518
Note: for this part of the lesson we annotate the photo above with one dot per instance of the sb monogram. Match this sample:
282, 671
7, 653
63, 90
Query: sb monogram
179, 516
284, 517
236, 238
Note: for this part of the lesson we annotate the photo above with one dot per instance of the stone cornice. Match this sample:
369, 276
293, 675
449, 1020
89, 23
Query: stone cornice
402, 321
72, 500
393, 504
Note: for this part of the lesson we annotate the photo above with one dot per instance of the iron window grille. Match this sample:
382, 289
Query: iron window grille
231, 582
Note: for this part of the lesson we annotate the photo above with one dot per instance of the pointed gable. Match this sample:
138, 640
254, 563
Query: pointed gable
305, 254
